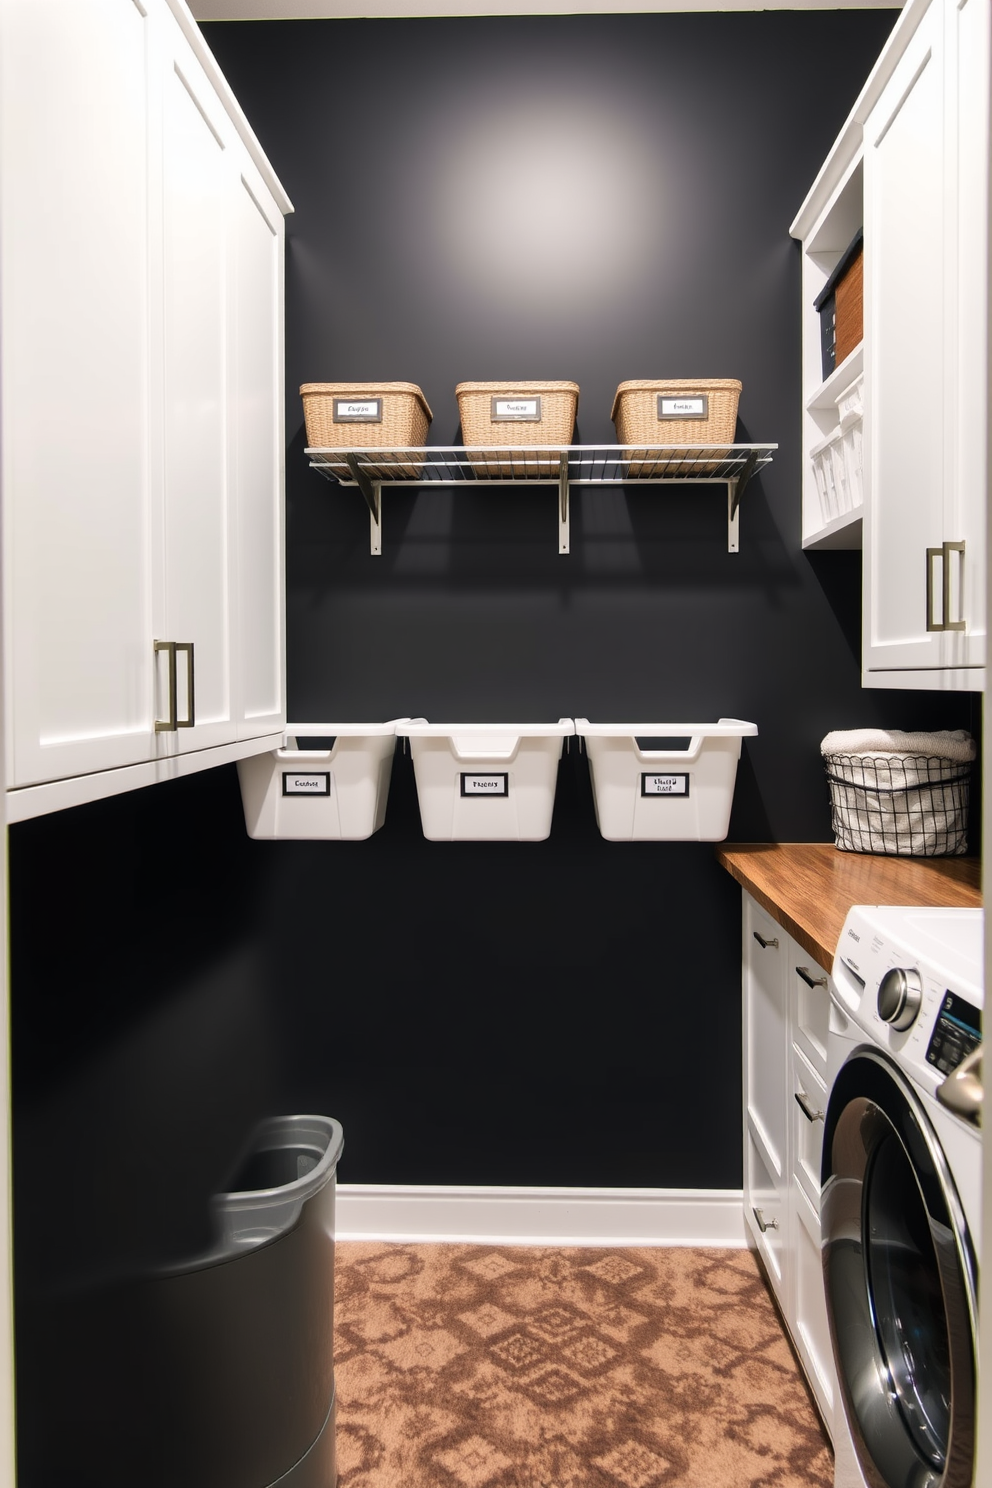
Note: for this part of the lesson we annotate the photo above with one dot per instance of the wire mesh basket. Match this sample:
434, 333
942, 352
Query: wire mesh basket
903, 805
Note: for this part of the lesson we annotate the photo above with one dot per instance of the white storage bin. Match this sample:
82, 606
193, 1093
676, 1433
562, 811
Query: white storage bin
850, 403
664, 782
837, 459
486, 782
832, 482
335, 795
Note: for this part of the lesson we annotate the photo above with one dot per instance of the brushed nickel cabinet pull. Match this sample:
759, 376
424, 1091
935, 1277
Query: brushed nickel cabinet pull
932, 555
190, 720
803, 971
763, 1223
944, 554
810, 1112
168, 725
947, 549
766, 944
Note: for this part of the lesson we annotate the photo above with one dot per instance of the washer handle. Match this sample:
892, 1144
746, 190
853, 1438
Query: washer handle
962, 1091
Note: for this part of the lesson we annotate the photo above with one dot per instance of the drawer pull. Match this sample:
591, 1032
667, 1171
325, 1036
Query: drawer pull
811, 981
763, 1223
765, 944
810, 1112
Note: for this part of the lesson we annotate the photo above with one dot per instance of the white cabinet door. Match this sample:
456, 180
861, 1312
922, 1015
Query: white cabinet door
76, 481
765, 1032
198, 542
786, 1014
766, 1092
766, 1212
905, 353
812, 1330
968, 133
926, 347
257, 445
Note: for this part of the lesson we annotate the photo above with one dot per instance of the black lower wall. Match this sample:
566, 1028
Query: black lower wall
596, 198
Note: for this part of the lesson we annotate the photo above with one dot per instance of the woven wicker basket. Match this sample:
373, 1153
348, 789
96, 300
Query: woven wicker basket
404, 415
638, 417
404, 418
556, 402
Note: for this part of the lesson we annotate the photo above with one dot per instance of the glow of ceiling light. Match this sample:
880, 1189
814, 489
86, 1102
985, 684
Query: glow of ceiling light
545, 202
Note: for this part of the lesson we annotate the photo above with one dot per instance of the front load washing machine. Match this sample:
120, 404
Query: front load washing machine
901, 1194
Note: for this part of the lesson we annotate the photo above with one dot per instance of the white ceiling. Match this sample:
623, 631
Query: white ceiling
286, 10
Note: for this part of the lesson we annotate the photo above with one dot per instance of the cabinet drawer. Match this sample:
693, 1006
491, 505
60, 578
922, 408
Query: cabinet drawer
809, 1104
812, 1331
766, 1215
810, 996
766, 1040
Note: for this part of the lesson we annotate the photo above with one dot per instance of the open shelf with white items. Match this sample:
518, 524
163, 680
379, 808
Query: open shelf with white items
561, 466
827, 222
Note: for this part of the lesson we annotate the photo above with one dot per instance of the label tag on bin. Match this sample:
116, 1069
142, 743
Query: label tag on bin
516, 410
485, 785
306, 782
358, 410
664, 785
696, 406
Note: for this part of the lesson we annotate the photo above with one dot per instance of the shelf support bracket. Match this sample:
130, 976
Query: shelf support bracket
563, 536
372, 491
735, 490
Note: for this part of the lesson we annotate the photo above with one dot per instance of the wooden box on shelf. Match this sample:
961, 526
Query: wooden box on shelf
840, 306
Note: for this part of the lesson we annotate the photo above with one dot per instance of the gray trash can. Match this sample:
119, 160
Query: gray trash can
249, 1330
216, 1371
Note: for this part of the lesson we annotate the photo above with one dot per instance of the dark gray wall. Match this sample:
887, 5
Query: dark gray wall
595, 198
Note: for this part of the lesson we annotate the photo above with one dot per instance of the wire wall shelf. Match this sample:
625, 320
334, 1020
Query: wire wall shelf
562, 466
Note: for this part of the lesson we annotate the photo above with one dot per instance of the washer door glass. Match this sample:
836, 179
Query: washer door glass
899, 1271
904, 1282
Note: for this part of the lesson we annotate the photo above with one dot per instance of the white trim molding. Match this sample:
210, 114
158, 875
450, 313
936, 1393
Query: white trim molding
484, 1215
319, 10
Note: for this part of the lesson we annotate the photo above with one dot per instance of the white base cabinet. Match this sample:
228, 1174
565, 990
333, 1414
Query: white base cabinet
141, 279
786, 1010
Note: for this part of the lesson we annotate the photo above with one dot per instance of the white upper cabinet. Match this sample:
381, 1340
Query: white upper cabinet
257, 454
77, 481
926, 197
911, 167
906, 231
143, 503
197, 515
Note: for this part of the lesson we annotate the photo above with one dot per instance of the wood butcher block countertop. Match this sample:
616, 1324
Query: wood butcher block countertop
808, 887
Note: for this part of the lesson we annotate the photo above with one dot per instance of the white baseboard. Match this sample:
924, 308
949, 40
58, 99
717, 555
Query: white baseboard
540, 1216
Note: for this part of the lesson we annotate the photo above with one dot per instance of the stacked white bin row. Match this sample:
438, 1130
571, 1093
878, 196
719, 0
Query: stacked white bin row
495, 782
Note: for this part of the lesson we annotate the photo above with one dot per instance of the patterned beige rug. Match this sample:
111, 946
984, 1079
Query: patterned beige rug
466, 1366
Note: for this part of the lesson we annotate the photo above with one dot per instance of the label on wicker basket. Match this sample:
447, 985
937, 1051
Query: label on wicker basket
516, 410
358, 410
664, 785
696, 406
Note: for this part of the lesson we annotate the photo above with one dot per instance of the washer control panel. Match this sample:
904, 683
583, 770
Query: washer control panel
957, 1030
